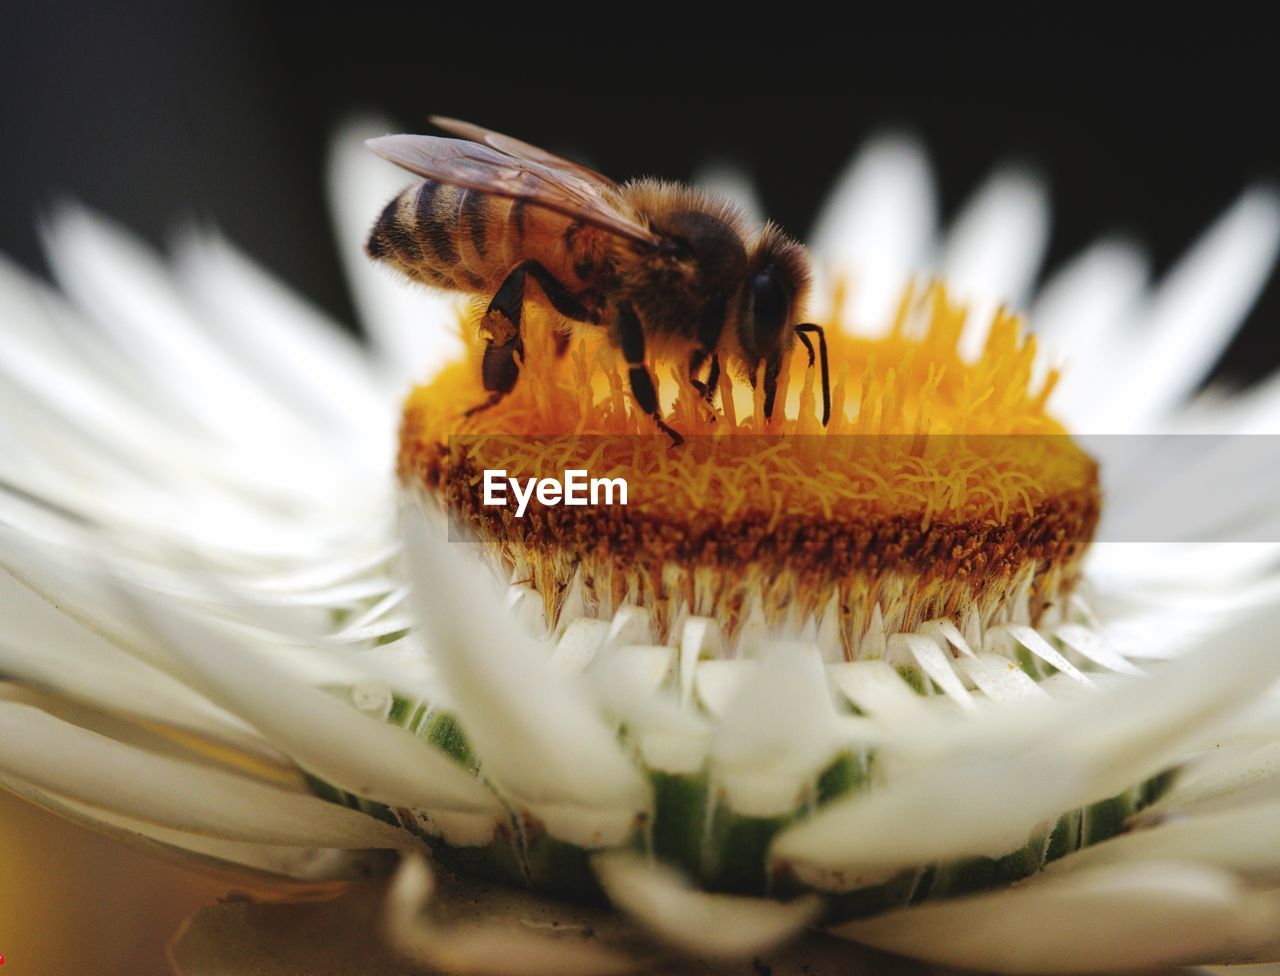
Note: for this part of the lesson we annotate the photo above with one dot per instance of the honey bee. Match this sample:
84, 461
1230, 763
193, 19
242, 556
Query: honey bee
668, 271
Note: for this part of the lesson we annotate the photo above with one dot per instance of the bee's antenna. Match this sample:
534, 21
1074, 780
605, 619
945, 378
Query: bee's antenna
801, 329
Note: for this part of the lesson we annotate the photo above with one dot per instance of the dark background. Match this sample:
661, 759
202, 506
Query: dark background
153, 112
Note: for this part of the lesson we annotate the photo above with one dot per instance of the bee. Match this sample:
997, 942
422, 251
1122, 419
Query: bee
669, 272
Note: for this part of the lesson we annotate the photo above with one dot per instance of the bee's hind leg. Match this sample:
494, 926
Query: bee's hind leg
500, 328
499, 370
631, 333
504, 345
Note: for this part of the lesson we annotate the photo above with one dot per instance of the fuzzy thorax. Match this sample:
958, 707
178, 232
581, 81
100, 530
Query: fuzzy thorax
941, 488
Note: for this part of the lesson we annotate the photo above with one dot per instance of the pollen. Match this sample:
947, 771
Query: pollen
941, 488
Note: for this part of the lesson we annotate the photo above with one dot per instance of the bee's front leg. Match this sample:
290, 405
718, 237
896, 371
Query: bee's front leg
772, 371
709, 328
706, 389
631, 333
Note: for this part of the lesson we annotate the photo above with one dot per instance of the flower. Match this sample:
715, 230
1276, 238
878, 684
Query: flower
214, 649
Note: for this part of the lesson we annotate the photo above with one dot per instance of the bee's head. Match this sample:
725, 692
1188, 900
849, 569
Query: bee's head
702, 247
776, 286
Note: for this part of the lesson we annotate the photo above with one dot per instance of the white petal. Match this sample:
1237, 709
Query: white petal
324, 735
719, 682
263, 870
994, 249
61, 758
1104, 921
934, 662
415, 329
1001, 777
877, 228
642, 669
1186, 488
536, 731
291, 345
40, 646
777, 733
1243, 841
989, 813
120, 285
67, 573
1228, 777
945, 632
876, 688
697, 922
1030, 638
71, 414
579, 643
1195, 312
1194, 564
671, 738
1000, 679
699, 638
1077, 316
630, 625
1093, 646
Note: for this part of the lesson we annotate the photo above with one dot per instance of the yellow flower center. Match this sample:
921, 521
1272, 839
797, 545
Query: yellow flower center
940, 488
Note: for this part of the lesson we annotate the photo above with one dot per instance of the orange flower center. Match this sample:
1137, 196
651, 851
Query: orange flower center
940, 488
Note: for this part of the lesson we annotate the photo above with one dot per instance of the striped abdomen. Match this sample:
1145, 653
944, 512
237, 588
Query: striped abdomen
466, 240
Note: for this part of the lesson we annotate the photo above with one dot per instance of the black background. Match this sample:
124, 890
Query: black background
154, 112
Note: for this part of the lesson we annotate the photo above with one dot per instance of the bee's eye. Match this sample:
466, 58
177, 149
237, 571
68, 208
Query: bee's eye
769, 308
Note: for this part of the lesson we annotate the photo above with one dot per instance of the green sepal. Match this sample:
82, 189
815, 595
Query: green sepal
558, 867
979, 873
1065, 836
894, 893
499, 860
848, 772
1106, 818
331, 793
679, 819
736, 851
915, 678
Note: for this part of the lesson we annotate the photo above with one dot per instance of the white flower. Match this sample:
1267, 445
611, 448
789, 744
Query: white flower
207, 628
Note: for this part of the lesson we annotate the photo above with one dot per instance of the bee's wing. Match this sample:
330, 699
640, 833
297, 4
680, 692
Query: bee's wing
480, 167
520, 149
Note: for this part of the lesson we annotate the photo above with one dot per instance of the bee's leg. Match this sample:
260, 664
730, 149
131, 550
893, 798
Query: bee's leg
709, 329
499, 370
772, 370
557, 294
696, 359
500, 327
707, 389
561, 300
801, 330
631, 333
504, 346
